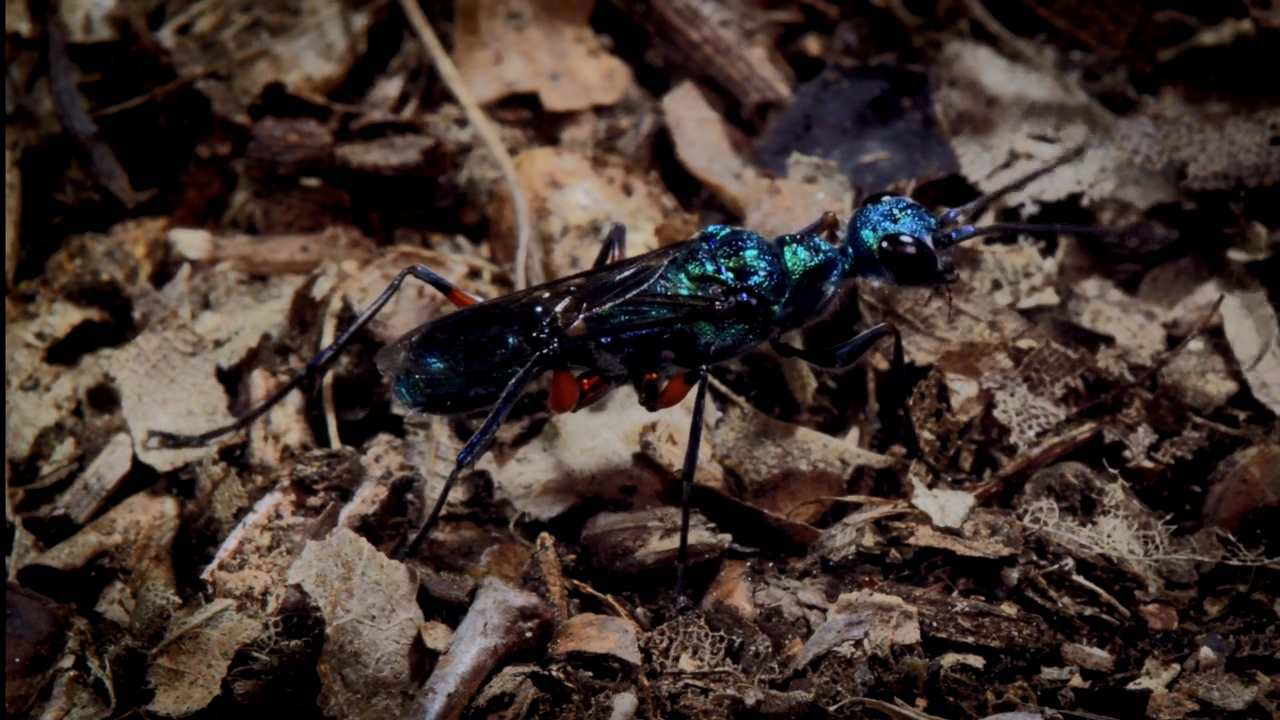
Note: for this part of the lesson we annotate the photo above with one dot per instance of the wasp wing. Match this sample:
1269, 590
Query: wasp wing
463, 359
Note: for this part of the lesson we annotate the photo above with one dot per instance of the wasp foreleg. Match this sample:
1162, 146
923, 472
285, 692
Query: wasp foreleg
849, 352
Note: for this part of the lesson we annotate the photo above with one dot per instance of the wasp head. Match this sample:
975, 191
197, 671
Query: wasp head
893, 237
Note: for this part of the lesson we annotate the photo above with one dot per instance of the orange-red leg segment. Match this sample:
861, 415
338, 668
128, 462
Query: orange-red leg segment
461, 298
564, 392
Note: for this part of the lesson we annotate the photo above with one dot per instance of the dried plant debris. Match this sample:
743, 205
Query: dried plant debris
1085, 529
728, 42
190, 663
135, 538
705, 145
790, 471
501, 622
584, 454
873, 122
576, 202
1005, 120
371, 625
547, 47
1249, 322
1214, 146
632, 542
234, 51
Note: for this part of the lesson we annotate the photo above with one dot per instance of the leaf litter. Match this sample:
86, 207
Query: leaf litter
1086, 530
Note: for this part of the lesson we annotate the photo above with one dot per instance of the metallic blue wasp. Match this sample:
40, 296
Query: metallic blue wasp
656, 321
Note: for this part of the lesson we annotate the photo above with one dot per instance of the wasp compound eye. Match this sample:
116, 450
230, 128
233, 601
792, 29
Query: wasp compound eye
911, 260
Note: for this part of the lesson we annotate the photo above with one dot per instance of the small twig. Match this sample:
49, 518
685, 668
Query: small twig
156, 94
730, 395
328, 332
68, 105
484, 128
608, 601
553, 575
1011, 42
1158, 365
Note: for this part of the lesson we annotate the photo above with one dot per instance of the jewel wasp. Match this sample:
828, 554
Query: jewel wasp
657, 321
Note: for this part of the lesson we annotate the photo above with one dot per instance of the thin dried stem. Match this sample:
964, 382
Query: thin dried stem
484, 128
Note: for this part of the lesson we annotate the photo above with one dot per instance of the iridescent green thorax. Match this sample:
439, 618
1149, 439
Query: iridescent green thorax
730, 259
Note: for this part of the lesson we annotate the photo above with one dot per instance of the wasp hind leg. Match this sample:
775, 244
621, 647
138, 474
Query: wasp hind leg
687, 473
654, 396
316, 366
477, 446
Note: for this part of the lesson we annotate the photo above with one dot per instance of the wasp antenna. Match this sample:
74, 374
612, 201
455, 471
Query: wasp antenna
977, 205
965, 232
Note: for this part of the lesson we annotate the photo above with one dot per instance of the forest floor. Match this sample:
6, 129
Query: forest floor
199, 196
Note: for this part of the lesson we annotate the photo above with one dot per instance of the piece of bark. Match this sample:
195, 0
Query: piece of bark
503, 620
731, 43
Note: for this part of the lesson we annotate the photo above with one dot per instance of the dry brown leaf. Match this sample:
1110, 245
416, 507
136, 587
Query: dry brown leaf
1005, 120
369, 603
99, 480
839, 629
971, 322
188, 666
1137, 326
975, 622
1214, 145
856, 532
244, 313
705, 146
576, 202
732, 591
813, 186
631, 542
612, 639
416, 303
945, 508
136, 537
1014, 276
1249, 322
664, 444
1225, 691
167, 381
584, 454
38, 395
236, 49
985, 533
1087, 657
787, 469
892, 620
1199, 377
547, 47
